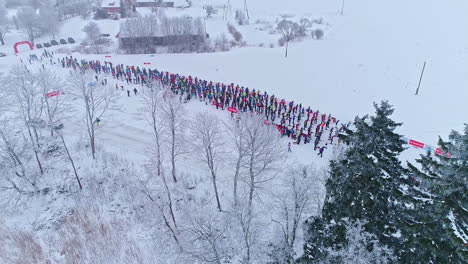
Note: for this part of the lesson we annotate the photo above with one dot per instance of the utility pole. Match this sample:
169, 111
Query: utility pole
420, 78
342, 7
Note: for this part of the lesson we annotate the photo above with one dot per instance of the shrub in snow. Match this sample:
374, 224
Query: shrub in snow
94, 40
285, 16
241, 18
318, 21
318, 34
361, 248
272, 45
235, 33
261, 45
222, 43
210, 11
20, 247
87, 237
101, 14
304, 27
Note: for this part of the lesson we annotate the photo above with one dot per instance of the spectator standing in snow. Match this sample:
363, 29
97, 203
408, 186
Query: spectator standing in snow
321, 149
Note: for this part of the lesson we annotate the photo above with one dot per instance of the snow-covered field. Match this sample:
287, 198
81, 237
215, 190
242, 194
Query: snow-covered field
374, 51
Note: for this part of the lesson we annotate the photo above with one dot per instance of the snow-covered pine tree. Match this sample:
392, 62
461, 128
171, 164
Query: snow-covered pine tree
365, 186
444, 236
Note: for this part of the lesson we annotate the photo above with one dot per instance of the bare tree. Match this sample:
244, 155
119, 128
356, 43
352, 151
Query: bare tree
207, 238
96, 101
161, 206
263, 156
143, 27
29, 23
5, 23
288, 30
30, 103
207, 137
94, 37
49, 18
64, 144
246, 9
14, 160
55, 106
173, 112
153, 112
294, 204
236, 131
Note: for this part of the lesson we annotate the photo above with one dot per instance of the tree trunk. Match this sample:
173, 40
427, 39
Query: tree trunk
236, 179
210, 160
34, 149
213, 175
93, 145
169, 198
173, 156
71, 161
286, 54
246, 9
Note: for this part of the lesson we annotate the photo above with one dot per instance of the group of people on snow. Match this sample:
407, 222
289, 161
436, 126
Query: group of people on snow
292, 120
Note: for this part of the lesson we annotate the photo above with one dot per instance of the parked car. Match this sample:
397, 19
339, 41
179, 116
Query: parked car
2, 54
54, 42
62, 41
39, 46
47, 45
71, 40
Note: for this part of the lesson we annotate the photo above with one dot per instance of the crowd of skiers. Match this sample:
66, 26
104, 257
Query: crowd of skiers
300, 123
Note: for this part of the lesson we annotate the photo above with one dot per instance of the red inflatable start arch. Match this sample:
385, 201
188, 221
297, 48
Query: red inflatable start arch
21, 43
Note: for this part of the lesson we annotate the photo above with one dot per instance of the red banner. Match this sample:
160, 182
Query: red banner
232, 110
107, 56
52, 94
440, 152
416, 143
214, 103
147, 63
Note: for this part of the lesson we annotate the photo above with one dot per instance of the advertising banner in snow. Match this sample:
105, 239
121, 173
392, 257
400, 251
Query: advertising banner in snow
427, 147
232, 110
416, 143
108, 56
440, 152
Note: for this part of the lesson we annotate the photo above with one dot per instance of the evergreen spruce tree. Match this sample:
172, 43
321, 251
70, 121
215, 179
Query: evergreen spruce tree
442, 235
366, 186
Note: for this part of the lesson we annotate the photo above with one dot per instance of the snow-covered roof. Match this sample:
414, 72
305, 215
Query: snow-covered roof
110, 4
172, 12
